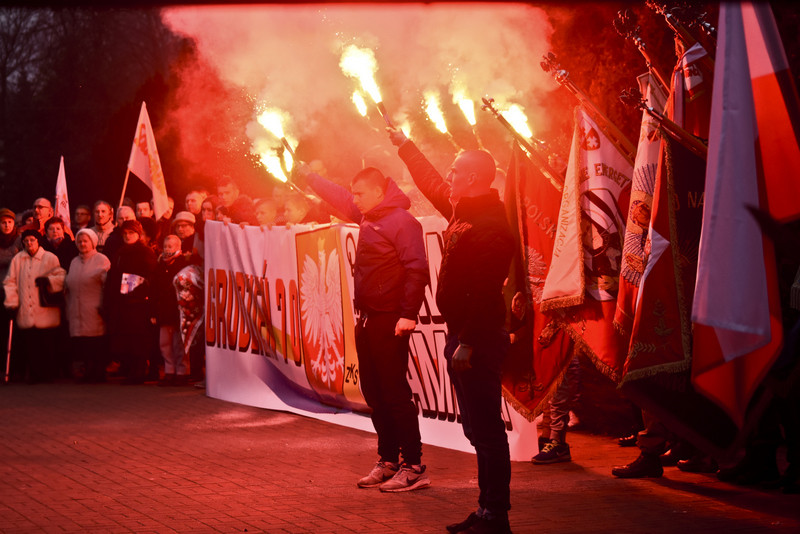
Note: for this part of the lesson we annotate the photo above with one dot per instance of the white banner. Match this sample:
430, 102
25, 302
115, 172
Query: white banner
279, 331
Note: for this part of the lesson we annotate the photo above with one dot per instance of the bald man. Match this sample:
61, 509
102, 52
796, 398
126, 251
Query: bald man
478, 247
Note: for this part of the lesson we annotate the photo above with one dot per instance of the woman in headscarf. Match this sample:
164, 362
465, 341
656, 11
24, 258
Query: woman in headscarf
87, 329
128, 304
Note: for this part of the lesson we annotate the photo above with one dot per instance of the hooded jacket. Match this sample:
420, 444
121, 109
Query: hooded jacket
391, 268
478, 248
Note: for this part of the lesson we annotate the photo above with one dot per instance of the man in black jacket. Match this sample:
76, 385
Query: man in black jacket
478, 248
391, 272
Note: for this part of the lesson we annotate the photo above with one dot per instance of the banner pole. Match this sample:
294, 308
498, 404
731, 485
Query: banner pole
124, 187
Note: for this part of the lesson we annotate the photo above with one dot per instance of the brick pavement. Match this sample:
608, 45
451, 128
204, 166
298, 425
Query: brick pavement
111, 458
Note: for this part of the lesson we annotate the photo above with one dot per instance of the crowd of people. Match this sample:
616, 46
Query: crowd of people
118, 292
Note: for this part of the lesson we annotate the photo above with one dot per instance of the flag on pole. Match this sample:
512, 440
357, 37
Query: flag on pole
641, 205
146, 165
62, 199
588, 243
753, 148
542, 347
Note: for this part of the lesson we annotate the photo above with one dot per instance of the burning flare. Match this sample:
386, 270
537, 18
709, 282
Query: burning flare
467, 105
360, 63
361, 106
272, 121
434, 111
516, 117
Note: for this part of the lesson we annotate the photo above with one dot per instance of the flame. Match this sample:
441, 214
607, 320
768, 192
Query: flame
466, 104
434, 111
516, 117
272, 121
273, 164
468, 109
360, 63
361, 106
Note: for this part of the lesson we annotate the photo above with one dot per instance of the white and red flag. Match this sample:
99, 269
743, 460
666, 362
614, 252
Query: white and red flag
62, 199
753, 156
588, 242
145, 164
643, 184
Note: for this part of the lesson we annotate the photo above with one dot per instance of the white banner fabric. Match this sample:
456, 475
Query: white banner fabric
279, 331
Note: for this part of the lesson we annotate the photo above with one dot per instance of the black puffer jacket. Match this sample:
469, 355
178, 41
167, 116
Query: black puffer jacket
478, 247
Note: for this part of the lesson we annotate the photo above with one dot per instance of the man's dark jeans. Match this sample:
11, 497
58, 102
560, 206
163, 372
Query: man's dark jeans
479, 394
382, 369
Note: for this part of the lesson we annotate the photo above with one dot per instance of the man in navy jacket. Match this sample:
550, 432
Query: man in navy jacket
391, 272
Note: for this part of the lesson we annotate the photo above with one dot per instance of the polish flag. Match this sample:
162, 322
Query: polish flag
753, 154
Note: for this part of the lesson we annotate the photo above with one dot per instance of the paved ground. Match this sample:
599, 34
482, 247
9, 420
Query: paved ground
111, 458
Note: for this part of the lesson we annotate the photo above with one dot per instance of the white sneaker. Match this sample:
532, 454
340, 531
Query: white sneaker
407, 478
382, 472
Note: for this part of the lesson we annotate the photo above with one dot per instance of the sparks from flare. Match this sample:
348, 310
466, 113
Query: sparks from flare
515, 116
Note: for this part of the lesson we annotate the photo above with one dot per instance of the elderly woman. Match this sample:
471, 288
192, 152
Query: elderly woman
127, 302
84, 290
32, 272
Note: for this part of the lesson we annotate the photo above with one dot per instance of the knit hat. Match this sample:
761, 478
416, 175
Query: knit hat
184, 216
6, 213
31, 231
88, 233
133, 226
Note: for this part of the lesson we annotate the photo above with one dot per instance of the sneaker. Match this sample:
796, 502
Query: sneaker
382, 472
553, 452
407, 478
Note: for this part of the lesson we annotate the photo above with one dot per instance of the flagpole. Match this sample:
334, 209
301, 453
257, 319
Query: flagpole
124, 187
550, 64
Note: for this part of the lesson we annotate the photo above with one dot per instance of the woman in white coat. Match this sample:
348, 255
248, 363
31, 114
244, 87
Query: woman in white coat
84, 291
33, 271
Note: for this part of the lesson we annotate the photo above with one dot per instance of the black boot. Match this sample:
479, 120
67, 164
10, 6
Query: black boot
646, 465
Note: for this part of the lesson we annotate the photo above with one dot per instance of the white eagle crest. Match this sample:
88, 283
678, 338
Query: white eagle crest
321, 310
537, 269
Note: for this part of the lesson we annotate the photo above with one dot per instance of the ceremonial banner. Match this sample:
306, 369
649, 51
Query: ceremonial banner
641, 205
588, 243
657, 369
541, 347
737, 333
62, 199
145, 164
279, 331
